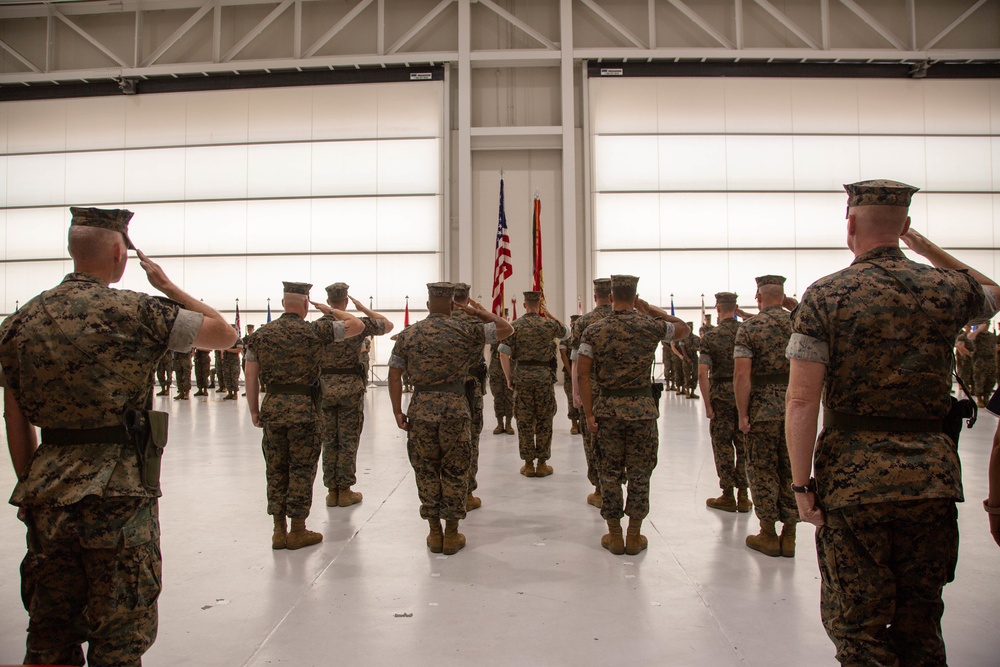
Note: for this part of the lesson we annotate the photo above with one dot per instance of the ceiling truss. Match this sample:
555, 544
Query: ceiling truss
129, 55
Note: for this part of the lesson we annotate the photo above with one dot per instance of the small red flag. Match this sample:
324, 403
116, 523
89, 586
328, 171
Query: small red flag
406, 313
513, 309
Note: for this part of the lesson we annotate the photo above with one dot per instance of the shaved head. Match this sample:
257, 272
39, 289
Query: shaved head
97, 251
295, 303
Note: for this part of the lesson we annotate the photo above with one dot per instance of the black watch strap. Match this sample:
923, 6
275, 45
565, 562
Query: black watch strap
810, 487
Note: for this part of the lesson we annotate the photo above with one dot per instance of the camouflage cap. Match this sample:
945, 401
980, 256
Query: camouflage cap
725, 298
296, 288
770, 280
441, 290
337, 291
879, 193
462, 291
622, 280
574, 318
115, 219
532, 297
602, 286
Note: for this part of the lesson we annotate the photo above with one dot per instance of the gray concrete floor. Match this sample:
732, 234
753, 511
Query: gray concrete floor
533, 586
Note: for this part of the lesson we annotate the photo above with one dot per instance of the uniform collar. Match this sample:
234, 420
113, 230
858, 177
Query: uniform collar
878, 253
81, 277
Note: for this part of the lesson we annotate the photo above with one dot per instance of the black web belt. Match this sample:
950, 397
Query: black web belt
722, 378
106, 435
298, 389
338, 371
634, 391
533, 363
849, 422
450, 388
773, 378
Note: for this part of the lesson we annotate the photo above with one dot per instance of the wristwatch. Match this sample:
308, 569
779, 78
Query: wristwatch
991, 510
810, 487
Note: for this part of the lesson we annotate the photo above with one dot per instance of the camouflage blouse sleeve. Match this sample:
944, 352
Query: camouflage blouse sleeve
810, 338
743, 348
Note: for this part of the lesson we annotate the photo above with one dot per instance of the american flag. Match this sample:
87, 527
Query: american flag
502, 268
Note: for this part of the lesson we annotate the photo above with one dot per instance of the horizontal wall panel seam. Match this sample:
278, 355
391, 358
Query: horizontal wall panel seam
324, 253
401, 195
769, 249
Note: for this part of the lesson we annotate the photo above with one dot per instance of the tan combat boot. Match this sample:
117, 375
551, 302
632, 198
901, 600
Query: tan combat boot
472, 503
766, 541
435, 538
331, 498
595, 497
574, 429
346, 497
299, 537
541, 469
788, 540
725, 502
613, 541
454, 541
510, 427
743, 503
499, 429
280, 532
164, 392
634, 541
528, 469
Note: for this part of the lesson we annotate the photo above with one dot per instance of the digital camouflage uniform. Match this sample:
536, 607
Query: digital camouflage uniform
689, 365
532, 349
217, 368
288, 350
677, 369
165, 371
763, 339
92, 571
589, 448
666, 358
890, 542
182, 371
984, 347
503, 397
231, 369
728, 442
623, 347
436, 353
567, 373
475, 391
342, 408
202, 368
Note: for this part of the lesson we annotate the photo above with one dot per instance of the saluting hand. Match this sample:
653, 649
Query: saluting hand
917, 242
322, 307
154, 273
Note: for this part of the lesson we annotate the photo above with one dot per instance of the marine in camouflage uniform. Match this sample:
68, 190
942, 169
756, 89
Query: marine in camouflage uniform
342, 408
760, 380
886, 476
533, 350
164, 373
688, 348
231, 369
182, 373
92, 572
963, 358
984, 346
286, 353
436, 353
202, 368
217, 371
474, 389
602, 308
621, 412
565, 348
715, 375
666, 358
677, 368
503, 397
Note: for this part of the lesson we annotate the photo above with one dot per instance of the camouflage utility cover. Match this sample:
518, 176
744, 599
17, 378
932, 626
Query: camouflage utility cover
76, 357
886, 356
438, 350
622, 347
763, 339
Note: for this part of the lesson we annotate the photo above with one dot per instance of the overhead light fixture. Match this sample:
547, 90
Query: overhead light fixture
127, 86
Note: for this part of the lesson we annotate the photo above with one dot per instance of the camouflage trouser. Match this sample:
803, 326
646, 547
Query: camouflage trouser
668, 367
965, 369
231, 372
503, 397
220, 379
728, 446
690, 371
985, 374
341, 425
440, 454
182, 371
884, 567
291, 455
627, 454
92, 574
202, 367
475, 429
164, 370
571, 410
770, 473
678, 367
591, 454
534, 408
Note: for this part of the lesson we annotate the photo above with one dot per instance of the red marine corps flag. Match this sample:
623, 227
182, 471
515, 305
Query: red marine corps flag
537, 282
502, 268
